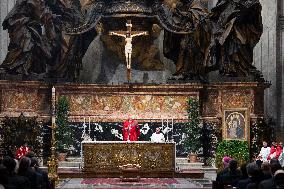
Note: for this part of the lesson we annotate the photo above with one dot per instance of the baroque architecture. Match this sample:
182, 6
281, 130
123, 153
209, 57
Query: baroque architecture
268, 54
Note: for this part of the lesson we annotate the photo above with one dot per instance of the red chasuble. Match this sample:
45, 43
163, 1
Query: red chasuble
130, 130
22, 151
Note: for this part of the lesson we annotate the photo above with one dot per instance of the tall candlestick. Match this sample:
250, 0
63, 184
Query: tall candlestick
89, 125
84, 125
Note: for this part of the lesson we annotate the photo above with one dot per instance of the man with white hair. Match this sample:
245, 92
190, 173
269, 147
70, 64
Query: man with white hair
158, 136
131, 131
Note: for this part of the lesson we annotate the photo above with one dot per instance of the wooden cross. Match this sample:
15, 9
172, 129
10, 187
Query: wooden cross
128, 35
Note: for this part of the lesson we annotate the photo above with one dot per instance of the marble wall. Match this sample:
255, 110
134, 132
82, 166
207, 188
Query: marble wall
5, 7
268, 54
280, 66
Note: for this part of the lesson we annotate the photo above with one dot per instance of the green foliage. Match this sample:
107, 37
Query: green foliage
15, 131
193, 131
238, 150
261, 130
64, 134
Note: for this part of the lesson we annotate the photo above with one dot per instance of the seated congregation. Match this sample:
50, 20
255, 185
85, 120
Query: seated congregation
23, 173
267, 172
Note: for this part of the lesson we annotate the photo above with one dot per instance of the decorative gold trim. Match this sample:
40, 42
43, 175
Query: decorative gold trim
236, 112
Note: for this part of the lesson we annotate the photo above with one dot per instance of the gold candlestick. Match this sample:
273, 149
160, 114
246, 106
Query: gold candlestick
53, 162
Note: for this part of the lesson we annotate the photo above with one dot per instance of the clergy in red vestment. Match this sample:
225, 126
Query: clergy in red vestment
279, 150
130, 130
272, 153
22, 151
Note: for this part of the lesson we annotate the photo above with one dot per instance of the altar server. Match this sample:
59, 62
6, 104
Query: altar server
264, 152
158, 136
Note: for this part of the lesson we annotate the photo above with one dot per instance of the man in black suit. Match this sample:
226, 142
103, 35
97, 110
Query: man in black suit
254, 176
268, 183
231, 177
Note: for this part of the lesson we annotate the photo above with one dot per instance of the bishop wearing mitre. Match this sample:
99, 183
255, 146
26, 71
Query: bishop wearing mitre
130, 130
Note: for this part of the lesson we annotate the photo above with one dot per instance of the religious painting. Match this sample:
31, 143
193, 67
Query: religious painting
235, 124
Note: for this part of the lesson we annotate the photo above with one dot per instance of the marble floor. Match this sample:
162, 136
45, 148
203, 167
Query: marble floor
161, 183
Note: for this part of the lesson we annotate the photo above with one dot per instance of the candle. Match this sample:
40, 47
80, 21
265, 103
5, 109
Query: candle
89, 124
53, 120
84, 125
53, 100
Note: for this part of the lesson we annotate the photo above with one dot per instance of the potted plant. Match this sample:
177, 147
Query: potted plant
193, 130
64, 132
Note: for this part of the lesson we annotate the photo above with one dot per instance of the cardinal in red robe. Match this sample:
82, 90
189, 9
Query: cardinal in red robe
22, 151
130, 130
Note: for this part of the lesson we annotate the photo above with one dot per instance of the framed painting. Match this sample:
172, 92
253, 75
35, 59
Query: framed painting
236, 124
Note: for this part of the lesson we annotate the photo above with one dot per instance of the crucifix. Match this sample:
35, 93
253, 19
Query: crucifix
128, 35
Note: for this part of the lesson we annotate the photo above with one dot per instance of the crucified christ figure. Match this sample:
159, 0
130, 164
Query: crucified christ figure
128, 35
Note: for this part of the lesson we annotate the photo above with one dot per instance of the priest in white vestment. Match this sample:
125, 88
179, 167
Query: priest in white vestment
158, 136
264, 152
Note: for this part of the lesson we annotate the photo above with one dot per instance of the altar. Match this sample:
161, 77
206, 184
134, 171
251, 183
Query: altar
103, 158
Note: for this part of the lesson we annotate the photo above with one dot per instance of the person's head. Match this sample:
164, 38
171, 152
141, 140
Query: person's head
25, 163
265, 167
158, 130
258, 163
34, 162
280, 144
274, 165
233, 165
253, 170
274, 160
10, 164
264, 144
30, 154
24, 143
274, 143
226, 161
279, 179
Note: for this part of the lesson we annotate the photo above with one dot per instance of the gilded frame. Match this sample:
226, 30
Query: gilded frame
235, 124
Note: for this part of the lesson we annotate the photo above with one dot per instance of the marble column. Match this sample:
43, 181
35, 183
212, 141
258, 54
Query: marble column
280, 66
265, 55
